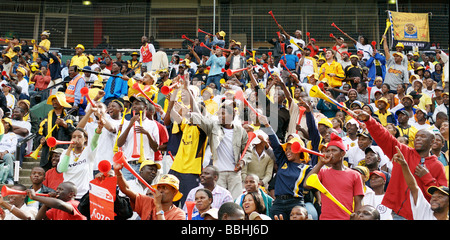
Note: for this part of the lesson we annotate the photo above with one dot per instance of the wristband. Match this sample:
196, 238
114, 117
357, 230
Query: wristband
160, 212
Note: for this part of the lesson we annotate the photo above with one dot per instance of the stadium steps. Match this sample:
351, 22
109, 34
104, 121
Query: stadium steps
24, 173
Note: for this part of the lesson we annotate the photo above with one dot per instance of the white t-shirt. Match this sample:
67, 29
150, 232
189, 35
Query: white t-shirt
225, 161
151, 127
8, 143
349, 143
236, 62
356, 156
422, 209
24, 85
307, 68
80, 171
420, 127
385, 212
22, 124
298, 41
367, 49
370, 198
430, 93
106, 141
26, 209
10, 101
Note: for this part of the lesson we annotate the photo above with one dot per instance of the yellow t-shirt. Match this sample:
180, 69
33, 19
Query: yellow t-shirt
150, 92
410, 132
383, 117
81, 61
424, 101
132, 64
211, 106
2, 129
44, 43
189, 158
335, 68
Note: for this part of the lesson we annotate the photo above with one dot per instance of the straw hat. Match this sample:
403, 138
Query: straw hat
383, 99
61, 97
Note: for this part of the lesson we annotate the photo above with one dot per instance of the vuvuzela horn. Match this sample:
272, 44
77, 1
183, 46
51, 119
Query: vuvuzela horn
52, 142
301, 111
6, 191
35, 154
190, 207
116, 148
293, 42
251, 136
388, 24
141, 157
135, 153
313, 181
121, 159
316, 92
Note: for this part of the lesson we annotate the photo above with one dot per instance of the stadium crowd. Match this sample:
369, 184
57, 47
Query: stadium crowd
238, 135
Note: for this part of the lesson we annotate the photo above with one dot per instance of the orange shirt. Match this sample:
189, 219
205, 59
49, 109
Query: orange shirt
145, 207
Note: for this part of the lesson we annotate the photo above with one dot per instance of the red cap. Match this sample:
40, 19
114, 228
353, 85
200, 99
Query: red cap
335, 140
378, 173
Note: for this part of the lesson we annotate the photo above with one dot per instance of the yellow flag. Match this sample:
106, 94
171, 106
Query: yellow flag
410, 27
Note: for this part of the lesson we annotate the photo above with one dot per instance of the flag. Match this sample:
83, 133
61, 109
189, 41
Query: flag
411, 29
102, 195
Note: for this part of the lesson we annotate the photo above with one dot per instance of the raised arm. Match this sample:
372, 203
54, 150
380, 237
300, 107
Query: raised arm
284, 32
386, 141
121, 182
50, 202
386, 48
409, 178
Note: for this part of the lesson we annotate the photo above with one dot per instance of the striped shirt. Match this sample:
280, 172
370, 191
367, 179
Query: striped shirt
220, 196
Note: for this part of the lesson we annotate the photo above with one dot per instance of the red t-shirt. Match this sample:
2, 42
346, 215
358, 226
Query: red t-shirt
41, 82
53, 178
163, 138
56, 214
343, 185
313, 52
146, 53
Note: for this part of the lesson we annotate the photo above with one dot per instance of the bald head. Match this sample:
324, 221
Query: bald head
424, 140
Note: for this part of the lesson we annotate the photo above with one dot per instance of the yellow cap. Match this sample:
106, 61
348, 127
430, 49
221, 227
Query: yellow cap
325, 121
80, 46
400, 45
399, 54
321, 58
149, 162
222, 33
22, 70
172, 181
316, 76
8, 120
97, 83
294, 139
46, 33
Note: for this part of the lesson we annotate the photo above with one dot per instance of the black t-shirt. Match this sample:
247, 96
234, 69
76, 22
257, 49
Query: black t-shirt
353, 71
